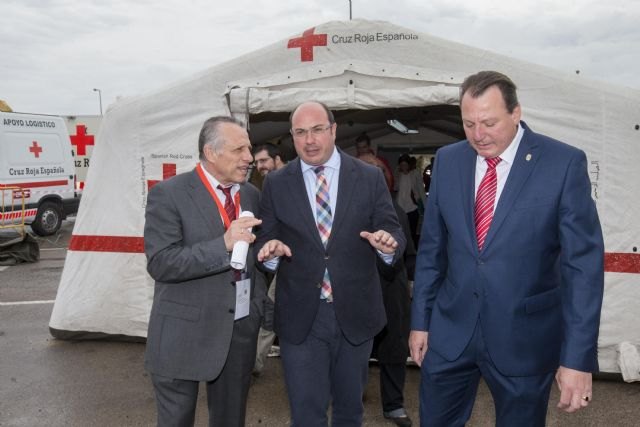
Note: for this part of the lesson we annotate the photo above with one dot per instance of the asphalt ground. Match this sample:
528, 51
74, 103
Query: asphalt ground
49, 382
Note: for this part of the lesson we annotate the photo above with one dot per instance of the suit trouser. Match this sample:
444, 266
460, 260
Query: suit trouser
414, 219
265, 337
226, 395
392, 377
325, 368
448, 389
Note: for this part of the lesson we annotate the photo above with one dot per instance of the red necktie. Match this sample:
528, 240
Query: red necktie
229, 207
485, 199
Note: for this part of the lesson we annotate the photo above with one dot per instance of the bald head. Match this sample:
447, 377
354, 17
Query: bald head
314, 132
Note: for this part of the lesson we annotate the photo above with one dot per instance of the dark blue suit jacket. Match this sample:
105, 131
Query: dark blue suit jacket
363, 204
537, 285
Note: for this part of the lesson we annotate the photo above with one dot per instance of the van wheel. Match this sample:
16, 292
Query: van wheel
48, 219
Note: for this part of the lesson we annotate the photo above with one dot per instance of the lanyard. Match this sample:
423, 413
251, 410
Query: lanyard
223, 212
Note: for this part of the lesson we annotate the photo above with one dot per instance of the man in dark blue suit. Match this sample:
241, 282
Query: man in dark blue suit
510, 270
326, 218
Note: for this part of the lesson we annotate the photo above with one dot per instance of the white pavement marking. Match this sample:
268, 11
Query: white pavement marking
28, 302
4, 267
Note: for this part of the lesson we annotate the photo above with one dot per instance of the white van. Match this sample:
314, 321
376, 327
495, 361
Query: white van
37, 169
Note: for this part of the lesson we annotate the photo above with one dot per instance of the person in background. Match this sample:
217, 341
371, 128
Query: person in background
327, 217
426, 175
510, 268
391, 345
267, 158
410, 194
205, 315
413, 163
363, 147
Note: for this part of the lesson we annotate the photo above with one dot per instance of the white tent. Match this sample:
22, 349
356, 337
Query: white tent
366, 71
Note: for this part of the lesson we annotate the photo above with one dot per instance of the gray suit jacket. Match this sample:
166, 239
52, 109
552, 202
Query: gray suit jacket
191, 323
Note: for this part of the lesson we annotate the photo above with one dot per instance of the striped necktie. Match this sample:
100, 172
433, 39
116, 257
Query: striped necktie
323, 221
485, 199
229, 206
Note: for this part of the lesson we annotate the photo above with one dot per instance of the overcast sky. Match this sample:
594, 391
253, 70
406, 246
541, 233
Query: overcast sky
54, 52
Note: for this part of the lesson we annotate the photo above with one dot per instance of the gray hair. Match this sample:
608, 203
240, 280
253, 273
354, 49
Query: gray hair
210, 133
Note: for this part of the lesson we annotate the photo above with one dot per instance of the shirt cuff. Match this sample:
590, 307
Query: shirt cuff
387, 258
272, 264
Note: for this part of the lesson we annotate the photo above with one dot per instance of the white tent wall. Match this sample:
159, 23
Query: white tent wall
106, 291
105, 288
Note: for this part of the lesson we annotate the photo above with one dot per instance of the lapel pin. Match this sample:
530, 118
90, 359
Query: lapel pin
528, 157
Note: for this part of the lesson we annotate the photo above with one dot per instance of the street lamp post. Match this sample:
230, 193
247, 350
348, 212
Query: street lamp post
99, 98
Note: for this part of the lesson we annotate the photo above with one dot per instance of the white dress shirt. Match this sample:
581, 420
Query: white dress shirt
221, 196
503, 168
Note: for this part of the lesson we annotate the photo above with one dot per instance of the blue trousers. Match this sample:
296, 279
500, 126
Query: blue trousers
448, 389
325, 369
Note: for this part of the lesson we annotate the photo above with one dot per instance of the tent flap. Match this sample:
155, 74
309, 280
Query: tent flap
259, 100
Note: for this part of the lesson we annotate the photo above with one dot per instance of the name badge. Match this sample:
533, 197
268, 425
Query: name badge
243, 298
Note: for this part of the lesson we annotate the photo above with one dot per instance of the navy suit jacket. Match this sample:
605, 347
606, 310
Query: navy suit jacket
363, 204
537, 284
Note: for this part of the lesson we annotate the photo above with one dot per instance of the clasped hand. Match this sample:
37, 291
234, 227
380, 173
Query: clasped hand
239, 230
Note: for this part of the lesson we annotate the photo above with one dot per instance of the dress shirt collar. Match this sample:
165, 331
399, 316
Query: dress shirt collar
332, 163
509, 154
214, 184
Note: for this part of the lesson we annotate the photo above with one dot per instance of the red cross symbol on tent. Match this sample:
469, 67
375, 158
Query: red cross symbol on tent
307, 42
81, 140
35, 149
168, 170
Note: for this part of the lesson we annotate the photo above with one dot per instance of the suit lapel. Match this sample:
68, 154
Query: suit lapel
298, 194
246, 202
346, 185
467, 177
523, 164
205, 205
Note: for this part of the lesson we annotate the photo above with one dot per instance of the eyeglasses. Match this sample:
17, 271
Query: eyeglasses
315, 131
263, 161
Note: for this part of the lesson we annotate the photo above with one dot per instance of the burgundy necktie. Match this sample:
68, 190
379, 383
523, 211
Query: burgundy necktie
485, 199
229, 207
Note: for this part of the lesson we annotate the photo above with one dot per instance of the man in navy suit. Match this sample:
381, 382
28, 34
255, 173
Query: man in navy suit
326, 218
510, 269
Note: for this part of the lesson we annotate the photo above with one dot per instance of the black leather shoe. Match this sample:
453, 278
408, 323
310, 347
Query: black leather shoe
399, 418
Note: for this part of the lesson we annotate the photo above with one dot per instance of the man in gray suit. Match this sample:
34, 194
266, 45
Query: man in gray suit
268, 158
205, 315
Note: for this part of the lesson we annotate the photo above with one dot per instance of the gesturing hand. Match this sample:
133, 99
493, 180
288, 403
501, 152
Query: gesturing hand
381, 240
273, 248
